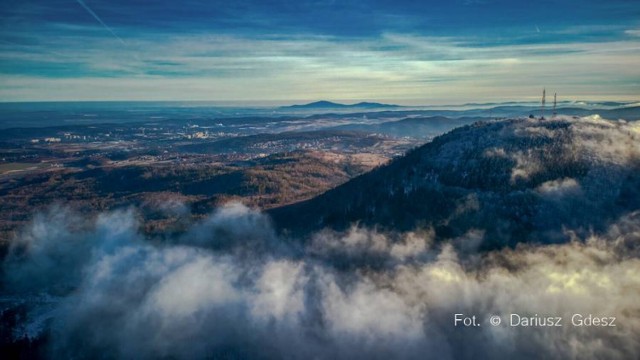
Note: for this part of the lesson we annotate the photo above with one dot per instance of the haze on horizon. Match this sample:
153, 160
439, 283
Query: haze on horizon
286, 52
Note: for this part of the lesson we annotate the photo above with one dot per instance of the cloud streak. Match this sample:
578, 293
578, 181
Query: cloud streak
198, 67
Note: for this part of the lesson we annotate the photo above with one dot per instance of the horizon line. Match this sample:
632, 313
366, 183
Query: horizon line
280, 103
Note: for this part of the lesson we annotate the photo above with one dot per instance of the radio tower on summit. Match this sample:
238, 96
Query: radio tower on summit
554, 104
544, 99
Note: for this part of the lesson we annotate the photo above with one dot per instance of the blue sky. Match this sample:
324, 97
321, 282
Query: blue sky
408, 52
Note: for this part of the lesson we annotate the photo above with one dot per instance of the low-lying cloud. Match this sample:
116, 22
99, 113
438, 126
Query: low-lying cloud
231, 288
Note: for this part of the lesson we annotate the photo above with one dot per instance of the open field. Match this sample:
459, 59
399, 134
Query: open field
16, 167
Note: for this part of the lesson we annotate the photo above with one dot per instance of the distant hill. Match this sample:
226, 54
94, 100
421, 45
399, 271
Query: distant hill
510, 181
332, 105
415, 127
630, 113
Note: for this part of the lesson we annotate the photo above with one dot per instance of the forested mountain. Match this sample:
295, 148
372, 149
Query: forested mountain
511, 181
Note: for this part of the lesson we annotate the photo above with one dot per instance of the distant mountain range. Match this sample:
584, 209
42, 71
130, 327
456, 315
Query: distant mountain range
493, 184
326, 109
332, 105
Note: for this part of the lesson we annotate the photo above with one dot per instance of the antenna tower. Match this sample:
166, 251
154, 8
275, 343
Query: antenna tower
554, 104
544, 99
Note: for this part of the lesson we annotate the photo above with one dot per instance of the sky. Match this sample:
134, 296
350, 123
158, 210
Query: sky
272, 51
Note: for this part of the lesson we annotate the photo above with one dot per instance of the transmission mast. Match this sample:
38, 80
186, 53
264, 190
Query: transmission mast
554, 104
544, 99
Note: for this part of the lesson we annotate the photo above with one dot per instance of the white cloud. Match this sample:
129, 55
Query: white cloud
185, 301
633, 32
560, 187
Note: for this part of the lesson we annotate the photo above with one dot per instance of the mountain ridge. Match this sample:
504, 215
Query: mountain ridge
323, 104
